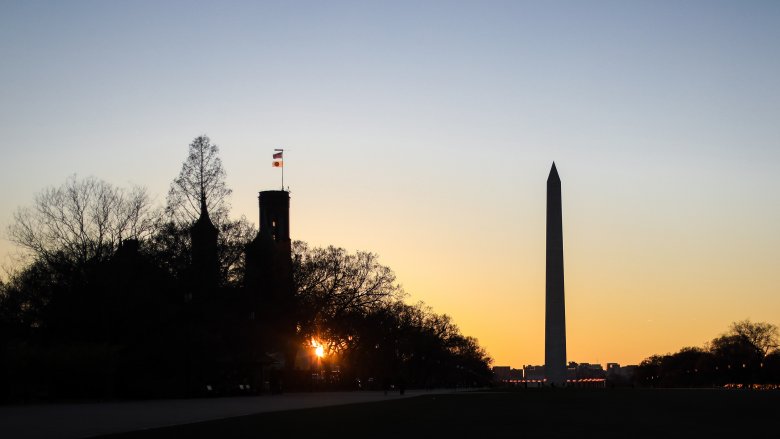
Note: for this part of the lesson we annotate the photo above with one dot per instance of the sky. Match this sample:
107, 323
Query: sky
424, 132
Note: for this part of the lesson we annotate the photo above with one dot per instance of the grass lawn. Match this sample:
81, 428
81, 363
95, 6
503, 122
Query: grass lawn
564, 413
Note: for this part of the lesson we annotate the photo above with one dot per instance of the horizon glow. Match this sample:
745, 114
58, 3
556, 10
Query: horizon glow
425, 132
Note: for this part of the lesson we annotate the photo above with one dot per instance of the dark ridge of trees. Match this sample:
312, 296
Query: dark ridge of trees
103, 308
354, 303
746, 355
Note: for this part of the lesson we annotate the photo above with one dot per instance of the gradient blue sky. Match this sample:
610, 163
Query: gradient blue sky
424, 131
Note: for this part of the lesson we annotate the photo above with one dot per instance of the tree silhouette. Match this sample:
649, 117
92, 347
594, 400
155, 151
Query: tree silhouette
762, 336
171, 246
82, 220
231, 243
201, 179
746, 354
352, 304
332, 284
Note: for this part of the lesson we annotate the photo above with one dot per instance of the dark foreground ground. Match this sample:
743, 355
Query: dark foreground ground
550, 413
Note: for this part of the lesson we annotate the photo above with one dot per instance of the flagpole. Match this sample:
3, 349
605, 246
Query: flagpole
281, 150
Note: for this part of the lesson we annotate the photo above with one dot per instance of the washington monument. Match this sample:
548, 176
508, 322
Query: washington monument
555, 311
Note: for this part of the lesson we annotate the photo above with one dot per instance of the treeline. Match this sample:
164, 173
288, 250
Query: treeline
104, 305
354, 305
745, 356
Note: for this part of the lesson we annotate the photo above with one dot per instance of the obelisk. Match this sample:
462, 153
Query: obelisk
555, 311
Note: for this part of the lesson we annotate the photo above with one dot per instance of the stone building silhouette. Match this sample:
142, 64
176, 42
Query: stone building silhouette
202, 307
269, 278
204, 273
244, 336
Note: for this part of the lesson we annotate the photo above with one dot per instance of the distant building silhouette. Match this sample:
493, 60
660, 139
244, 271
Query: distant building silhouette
535, 373
506, 374
620, 375
555, 310
577, 375
580, 371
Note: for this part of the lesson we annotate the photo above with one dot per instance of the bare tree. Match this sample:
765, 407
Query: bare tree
333, 281
233, 236
762, 336
336, 290
82, 220
201, 180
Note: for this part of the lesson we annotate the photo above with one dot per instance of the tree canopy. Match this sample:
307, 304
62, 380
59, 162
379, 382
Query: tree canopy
353, 305
83, 220
201, 180
762, 336
744, 355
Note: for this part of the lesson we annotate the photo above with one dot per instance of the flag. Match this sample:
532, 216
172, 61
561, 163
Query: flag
277, 155
278, 164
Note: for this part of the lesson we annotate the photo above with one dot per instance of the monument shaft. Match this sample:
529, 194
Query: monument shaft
555, 310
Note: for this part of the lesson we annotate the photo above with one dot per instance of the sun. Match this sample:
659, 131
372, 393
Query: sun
319, 350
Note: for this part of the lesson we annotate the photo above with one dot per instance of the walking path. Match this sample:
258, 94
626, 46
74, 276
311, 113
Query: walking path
80, 420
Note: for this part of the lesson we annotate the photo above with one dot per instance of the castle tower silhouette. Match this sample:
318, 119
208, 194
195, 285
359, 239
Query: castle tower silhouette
200, 297
555, 310
269, 280
205, 262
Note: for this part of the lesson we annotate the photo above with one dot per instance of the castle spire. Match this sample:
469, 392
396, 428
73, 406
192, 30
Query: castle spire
205, 262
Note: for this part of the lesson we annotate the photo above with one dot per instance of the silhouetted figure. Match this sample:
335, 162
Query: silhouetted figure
386, 384
275, 382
